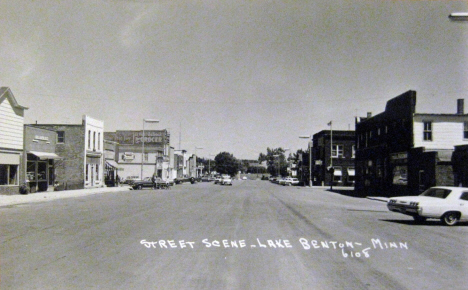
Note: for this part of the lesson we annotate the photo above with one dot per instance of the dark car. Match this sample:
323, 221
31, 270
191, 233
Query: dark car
140, 184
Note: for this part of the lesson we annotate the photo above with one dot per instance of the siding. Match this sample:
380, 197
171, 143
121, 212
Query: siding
11, 127
446, 132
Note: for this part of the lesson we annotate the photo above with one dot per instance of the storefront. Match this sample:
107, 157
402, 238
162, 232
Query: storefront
40, 158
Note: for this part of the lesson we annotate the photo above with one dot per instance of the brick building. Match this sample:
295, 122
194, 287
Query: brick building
401, 152
333, 149
82, 148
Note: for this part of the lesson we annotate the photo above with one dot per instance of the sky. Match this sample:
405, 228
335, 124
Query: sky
234, 76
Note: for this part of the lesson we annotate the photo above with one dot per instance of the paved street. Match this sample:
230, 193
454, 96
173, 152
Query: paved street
252, 235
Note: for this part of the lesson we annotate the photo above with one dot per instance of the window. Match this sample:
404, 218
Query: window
89, 139
8, 174
337, 151
436, 192
87, 172
60, 136
97, 171
94, 141
99, 141
353, 150
427, 133
465, 130
464, 196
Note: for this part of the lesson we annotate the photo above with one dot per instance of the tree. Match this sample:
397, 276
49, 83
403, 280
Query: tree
226, 163
276, 161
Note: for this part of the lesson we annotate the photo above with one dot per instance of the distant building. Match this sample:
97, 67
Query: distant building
335, 149
12, 174
401, 152
132, 158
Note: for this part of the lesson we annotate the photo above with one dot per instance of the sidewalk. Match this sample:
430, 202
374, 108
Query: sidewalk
6, 200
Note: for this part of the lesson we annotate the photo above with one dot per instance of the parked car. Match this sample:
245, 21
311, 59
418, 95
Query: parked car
289, 181
226, 180
130, 179
140, 184
180, 180
218, 180
449, 204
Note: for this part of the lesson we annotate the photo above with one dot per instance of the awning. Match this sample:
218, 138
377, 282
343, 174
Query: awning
337, 172
112, 163
351, 172
45, 155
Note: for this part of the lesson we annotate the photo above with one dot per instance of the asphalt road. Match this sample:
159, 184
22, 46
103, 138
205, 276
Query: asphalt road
252, 235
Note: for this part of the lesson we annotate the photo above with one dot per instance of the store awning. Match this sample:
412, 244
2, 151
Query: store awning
45, 155
112, 163
337, 172
351, 172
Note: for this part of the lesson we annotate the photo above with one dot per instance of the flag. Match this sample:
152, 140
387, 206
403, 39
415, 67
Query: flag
329, 124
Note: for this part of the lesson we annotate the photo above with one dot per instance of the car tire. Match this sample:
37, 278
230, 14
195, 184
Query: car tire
419, 219
450, 218
139, 187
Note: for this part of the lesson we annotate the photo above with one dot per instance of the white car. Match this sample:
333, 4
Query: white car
449, 204
289, 181
226, 180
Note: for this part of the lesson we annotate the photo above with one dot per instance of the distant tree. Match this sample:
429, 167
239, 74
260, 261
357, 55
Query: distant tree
226, 163
276, 161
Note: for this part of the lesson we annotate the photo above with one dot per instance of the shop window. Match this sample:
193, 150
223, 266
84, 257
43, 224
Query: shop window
427, 131
87, 172
97, 171
8, 174
60, 136
337, 175
465, 130
400, 175
337, 151
31, 171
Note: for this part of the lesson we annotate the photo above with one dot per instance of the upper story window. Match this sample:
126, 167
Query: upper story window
427, 133
337, 151
94, 141
465, 130
60, 136
99, 141
89, 139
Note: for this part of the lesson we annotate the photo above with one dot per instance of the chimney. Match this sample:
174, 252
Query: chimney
369, 114
460, 107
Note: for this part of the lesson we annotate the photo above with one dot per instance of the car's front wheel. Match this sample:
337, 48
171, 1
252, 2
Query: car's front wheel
139, 187
450, 218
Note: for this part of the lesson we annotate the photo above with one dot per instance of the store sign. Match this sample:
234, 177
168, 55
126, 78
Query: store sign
42, 138
136, 137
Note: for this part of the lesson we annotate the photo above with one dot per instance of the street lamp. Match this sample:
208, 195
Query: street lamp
143, 142
331, 154
277, 155
459, 16
196, 167
310, 157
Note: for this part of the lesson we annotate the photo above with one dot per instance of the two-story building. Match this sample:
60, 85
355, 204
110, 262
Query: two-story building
401, 152
142, 153
333, 149
81, 147
12, 174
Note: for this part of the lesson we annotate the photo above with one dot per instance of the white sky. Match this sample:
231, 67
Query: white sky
236, 76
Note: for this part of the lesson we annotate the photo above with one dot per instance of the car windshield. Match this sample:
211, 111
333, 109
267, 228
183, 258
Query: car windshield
436, 192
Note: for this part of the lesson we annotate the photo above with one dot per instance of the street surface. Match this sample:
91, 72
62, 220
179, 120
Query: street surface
252, 235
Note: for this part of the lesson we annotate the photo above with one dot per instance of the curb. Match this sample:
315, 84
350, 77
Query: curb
6, 200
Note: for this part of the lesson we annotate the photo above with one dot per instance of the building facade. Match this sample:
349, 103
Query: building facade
135, 157
12, 174
82, 149
401, 152
333, 149
40, 158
